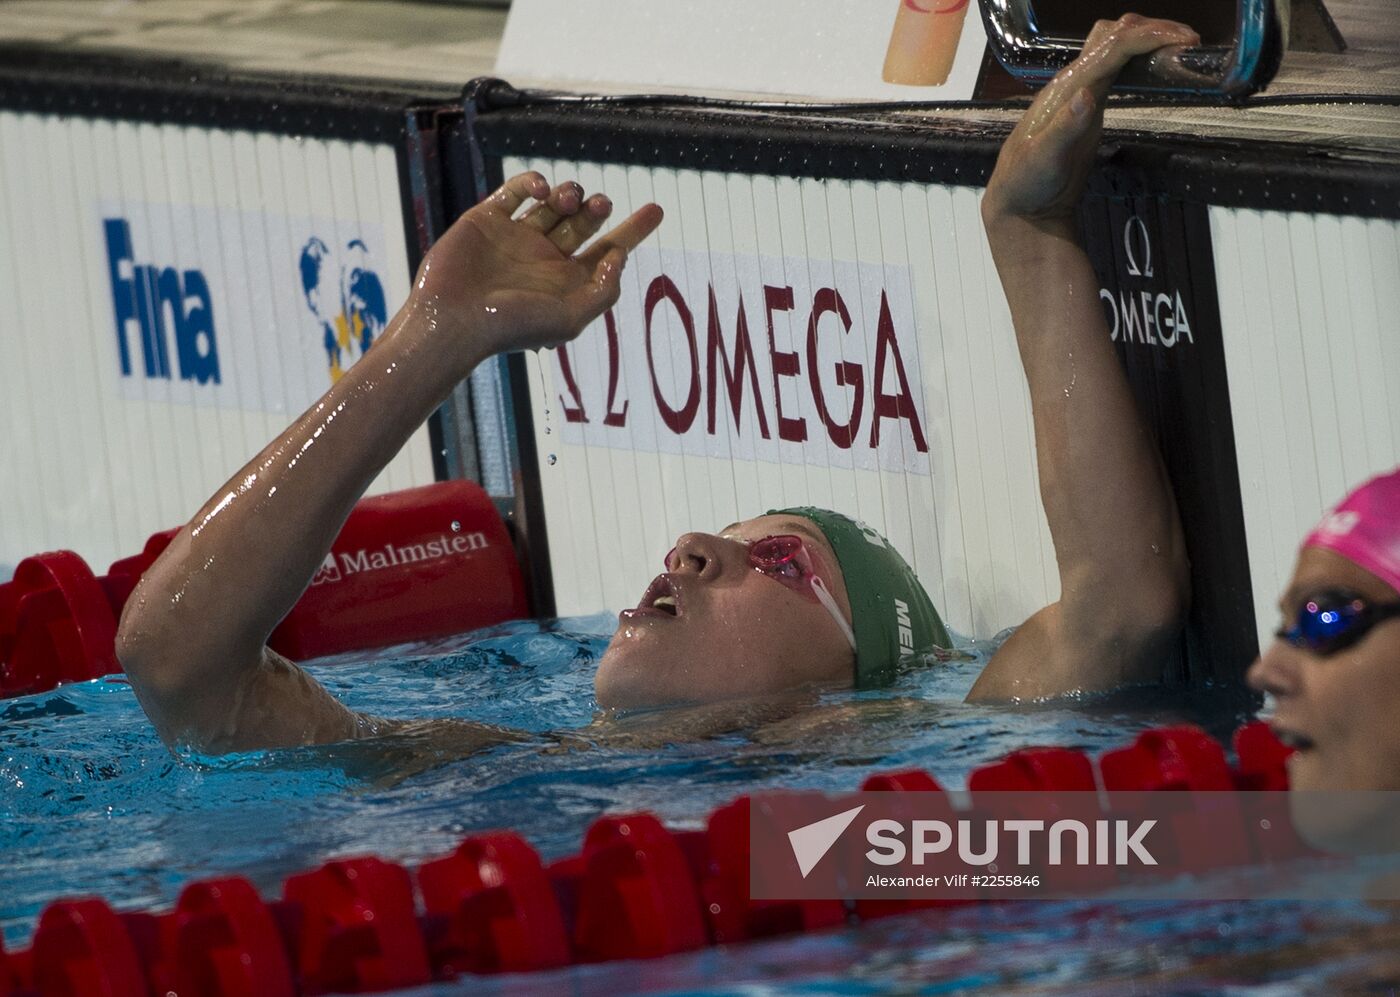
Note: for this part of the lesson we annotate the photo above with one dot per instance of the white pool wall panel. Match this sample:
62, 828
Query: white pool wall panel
963, 506
95, 459
1310, 313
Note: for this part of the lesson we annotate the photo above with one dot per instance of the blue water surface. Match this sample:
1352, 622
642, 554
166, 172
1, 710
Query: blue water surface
93, 803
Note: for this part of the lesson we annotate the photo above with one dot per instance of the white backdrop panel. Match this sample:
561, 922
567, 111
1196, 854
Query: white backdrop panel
783, 342
176, 296
1310, 312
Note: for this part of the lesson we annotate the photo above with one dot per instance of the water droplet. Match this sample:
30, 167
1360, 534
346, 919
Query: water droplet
544, 385
456, 526
552, 459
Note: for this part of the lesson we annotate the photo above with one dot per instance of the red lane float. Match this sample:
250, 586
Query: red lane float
1263, 766
415, 564
82, 949
1183, 757
906, 781
732, 915
423, 563
55, 625
635, 890
1263, 758
1036, 769
358, 929
1209, 832
228, 943
637, 896
154, 938
492, 909
10, 979
1048, 770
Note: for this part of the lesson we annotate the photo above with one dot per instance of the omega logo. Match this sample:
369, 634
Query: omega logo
1148, 315
1136, 224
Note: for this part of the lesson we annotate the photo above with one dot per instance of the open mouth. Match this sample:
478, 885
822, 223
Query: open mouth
1292, 739
660, 599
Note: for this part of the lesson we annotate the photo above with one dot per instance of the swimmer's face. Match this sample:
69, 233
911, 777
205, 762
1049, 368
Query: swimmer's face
1341, 710
735, 631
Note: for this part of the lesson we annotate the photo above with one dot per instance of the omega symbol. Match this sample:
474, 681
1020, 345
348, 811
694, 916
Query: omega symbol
1137, 223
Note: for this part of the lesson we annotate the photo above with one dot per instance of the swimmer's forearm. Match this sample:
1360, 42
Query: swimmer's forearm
227, 579
193, 636
1112, 516
1118, 543
1086, 419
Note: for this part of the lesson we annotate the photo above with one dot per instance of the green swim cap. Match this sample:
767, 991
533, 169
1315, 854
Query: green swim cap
891, 613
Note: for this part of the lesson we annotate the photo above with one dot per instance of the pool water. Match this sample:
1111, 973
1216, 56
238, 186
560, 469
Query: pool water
92, 803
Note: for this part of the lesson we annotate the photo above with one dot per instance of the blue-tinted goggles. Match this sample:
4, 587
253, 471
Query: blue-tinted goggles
1334, 620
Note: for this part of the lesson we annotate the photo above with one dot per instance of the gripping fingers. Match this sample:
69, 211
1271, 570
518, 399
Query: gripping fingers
562, 202
516, 191
1112, 44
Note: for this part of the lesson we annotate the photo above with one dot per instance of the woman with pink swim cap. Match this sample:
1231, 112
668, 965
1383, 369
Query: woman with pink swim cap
1334, 671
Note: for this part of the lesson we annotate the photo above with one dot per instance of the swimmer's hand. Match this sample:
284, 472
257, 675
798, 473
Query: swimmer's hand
193, 635
1043, 166
496, 282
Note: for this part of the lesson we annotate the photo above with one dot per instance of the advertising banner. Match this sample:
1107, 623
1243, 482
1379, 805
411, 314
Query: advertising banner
823, 49
187, 313
1155, 261
754, 358
183, 292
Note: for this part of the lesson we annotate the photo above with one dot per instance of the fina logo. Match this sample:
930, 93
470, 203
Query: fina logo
161, 302
347, 299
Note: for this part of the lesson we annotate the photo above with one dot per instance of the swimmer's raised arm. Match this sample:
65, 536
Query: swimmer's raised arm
1118, 541
192, 638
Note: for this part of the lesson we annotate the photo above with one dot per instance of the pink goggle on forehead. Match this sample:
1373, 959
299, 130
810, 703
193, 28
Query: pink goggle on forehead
786, 559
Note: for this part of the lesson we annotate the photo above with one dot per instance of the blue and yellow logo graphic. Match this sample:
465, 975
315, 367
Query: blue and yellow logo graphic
350, 284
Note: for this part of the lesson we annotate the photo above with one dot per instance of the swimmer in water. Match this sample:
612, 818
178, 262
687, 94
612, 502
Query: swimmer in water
794, 599
1334, 669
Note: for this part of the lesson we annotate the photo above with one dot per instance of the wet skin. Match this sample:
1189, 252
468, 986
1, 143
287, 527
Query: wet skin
736, 633
1342, 712
507, 276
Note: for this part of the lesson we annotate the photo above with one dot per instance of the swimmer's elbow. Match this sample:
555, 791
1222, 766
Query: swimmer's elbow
138, 660
1160, 606
145, 649
1129, 619
1168, 598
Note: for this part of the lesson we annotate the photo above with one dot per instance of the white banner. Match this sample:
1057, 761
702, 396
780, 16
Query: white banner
753, 358
823, 49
